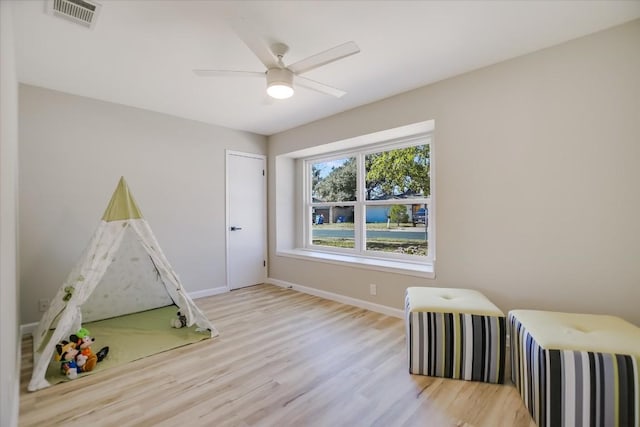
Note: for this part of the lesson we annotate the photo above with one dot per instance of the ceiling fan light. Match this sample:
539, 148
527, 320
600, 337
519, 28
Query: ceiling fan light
280, 91
279, 83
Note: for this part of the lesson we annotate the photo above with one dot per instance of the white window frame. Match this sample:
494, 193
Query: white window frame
359, 252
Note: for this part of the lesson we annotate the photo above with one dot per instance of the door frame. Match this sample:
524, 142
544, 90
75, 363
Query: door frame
227, 219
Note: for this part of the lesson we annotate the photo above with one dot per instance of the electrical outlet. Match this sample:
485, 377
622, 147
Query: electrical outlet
373, 289
43, 305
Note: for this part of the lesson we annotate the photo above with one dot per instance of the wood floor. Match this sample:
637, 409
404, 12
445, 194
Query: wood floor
283, 358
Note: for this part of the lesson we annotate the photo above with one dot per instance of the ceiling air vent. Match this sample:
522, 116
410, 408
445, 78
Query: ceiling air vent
83, 12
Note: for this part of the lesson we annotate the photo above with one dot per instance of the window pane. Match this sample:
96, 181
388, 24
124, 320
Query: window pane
402, 173
333, 226
334, 180
398, 228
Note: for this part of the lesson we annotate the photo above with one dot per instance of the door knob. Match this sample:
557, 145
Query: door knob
233, 228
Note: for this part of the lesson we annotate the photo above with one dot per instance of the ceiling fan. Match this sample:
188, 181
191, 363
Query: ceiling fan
281, 77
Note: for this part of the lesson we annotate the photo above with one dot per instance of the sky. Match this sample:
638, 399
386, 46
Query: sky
326, 167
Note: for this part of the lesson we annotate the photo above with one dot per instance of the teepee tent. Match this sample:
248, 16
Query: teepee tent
122, 271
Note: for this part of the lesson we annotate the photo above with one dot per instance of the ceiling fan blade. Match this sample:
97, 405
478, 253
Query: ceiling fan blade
232, 73
258, 46
319, 87
323, 58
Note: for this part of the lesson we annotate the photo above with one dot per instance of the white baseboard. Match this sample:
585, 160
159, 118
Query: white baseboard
30, 328
378, 308
208, 292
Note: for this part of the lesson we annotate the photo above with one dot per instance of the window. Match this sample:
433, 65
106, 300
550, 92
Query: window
373, 201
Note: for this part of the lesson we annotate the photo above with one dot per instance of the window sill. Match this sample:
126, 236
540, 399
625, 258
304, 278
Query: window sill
392, 266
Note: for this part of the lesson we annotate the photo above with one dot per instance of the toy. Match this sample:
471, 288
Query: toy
180, 322
81, 360
86, 359
66, 353
76, 355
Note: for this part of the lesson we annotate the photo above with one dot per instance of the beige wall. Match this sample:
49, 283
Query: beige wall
73, 150
9, 311
537, 180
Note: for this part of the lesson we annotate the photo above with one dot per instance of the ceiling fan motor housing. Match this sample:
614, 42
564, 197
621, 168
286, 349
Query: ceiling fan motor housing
279, 83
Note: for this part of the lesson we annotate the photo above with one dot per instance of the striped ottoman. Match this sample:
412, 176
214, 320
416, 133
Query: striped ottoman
454, 333
576, 369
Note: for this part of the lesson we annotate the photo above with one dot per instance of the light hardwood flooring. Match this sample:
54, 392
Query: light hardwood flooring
282, 358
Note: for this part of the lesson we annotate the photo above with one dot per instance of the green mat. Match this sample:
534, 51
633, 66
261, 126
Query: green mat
133, 337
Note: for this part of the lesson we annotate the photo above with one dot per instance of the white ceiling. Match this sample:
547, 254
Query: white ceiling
141, 53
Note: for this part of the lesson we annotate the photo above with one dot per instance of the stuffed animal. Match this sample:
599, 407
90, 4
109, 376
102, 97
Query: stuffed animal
81, 361
83, 341
180, 322
66, 353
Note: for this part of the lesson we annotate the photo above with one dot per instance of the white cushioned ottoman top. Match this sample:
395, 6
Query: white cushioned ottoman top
450, 300
580, 332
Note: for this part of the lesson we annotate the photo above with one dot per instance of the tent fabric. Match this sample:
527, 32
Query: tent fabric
122, 205
118, 292
66, 307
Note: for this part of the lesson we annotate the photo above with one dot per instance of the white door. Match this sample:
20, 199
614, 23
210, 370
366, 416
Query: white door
246, 219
